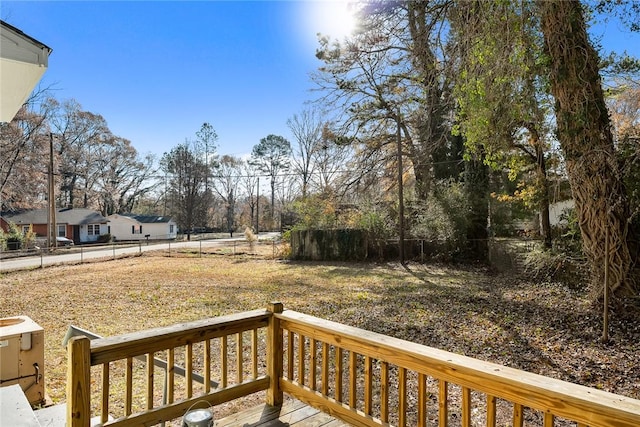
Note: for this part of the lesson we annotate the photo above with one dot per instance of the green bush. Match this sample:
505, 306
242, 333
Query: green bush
104, 238
14, 238
442, 219
314, 212
568, 238
556, 265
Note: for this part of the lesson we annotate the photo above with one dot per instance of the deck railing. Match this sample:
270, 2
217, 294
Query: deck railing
220, 359
360, 377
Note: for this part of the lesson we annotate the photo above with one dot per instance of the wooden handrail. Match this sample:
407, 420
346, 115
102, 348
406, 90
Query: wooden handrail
104, 352
151, 340
584, 405
335, 368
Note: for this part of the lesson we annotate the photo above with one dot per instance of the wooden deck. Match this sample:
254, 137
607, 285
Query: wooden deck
292, 413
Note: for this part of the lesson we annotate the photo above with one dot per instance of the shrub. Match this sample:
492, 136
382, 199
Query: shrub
441, 220
250, 236
14, 238
568, 237
104, 238
29, 237
557, 266
314, 212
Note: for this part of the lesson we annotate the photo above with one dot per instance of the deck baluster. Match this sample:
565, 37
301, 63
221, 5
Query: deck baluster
466, 407
491, 411
188, 375
368, 385
353, 377
223, 361
207, 365
254, 354
290, 354
239, 359
104, 414
338, 374
443, 403
384, 392
422, 400
325, 369
128, 379
301, 359
518, 418
313, 360
170, 372
402, 397
150, 372
548, 419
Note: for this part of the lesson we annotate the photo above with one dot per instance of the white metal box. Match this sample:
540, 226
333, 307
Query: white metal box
22, 356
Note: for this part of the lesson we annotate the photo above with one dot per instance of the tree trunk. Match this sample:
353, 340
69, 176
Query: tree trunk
476, 185
542, 185
585, 136
273, 199
430, 121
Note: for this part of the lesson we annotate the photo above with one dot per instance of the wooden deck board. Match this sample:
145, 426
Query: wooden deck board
292, 413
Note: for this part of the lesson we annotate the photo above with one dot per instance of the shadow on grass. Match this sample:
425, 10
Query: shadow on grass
491, 317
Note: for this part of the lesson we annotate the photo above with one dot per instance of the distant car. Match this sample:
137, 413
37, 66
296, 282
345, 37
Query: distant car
63, 241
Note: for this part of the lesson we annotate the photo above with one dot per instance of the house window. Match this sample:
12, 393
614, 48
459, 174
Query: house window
171, 228
25, 229
136, 229
62, 230
93, 229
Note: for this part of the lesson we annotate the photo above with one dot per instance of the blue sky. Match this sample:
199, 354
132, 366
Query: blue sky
157, 70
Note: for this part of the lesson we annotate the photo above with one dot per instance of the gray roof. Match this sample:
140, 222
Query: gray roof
148, 219
78, 216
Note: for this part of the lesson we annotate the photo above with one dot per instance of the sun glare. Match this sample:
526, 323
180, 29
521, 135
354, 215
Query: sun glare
334, 18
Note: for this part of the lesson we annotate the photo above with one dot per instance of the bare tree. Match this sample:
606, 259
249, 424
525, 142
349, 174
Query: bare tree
271, 156
331, 162
226, 182
307, 131
23, 144
124, 177
187, 174
394, 71
78, 133
249, 183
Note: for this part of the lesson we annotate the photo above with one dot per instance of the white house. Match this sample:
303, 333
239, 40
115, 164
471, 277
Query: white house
557, 210
141, 227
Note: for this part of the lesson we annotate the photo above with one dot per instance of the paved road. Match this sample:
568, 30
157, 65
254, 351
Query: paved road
79, 254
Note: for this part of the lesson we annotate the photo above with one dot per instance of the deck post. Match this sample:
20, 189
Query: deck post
274, 355
78, 382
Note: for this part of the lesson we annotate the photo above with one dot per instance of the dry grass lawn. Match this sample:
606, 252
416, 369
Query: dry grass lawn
540, 327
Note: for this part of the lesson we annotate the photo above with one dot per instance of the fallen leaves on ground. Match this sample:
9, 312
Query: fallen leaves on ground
540, 327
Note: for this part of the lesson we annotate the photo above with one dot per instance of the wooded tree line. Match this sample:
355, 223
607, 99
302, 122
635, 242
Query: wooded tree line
93, 167
511, 89
492, 103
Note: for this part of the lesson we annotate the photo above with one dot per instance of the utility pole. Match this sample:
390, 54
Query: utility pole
258, 208
400, 192
52, 199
